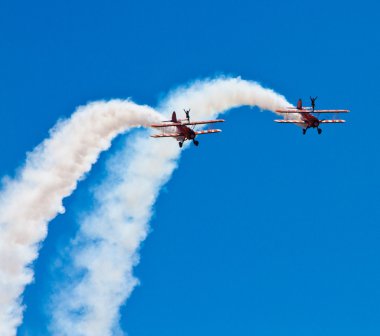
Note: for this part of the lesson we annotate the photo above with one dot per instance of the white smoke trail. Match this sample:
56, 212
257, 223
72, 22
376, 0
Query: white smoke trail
34, 197
113, 232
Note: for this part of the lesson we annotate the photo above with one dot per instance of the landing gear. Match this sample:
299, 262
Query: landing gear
319, 130
196, 143
304, 131
180, 144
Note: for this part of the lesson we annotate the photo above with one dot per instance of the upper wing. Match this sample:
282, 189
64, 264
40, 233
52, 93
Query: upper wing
208, 131
285, 121
203, 122
166, 124
331, 111
292, 110
311, 111
167, 135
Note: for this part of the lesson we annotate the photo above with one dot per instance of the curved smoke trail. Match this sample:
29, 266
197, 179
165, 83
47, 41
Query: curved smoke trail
34, 197
90, 305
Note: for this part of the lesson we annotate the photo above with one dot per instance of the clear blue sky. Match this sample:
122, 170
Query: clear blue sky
285, 239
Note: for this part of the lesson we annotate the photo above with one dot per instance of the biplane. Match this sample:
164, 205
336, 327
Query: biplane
183, 129
305, 118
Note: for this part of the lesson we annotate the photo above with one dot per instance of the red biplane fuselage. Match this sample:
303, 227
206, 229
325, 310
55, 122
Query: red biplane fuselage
186, 132
310, 120
183, 131
305, 117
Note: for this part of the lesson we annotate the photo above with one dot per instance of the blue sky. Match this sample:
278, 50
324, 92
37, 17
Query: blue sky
280, 236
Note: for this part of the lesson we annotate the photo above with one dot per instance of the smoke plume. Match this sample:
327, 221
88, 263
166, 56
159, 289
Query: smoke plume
107, 245
34, 197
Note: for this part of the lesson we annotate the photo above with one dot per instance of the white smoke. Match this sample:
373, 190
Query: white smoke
110, 237
34, 197
222, 94
117, 226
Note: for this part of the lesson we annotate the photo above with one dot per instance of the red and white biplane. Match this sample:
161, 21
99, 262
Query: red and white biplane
179, 128
306, 119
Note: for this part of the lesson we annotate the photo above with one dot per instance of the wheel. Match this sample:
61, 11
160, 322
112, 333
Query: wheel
319, 131
303, 131
196, 143
180, 144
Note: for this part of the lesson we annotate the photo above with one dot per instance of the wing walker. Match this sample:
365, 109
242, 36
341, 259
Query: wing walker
184, 129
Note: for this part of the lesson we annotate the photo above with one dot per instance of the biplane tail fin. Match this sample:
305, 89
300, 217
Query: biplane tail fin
174, 117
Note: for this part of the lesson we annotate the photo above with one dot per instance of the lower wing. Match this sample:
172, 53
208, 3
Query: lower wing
208, 131
285, 121
332, 121
167, 135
